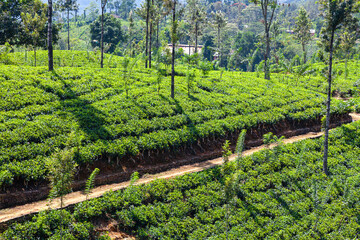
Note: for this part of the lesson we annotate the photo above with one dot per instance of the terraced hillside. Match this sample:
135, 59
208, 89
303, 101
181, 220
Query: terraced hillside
87, 109
279, 193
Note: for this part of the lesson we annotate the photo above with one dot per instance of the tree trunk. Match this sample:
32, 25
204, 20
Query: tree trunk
68, 23
150, 42
346, 64
50, 45
304, 52
326, 138
147, 32
157, 35
102, 38
34, 56
219, 45
196, 37
267, 53
173, 56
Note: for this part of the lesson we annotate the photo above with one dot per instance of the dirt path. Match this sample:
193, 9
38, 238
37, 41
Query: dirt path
14, 213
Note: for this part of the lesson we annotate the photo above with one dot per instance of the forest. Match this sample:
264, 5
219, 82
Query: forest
122, 92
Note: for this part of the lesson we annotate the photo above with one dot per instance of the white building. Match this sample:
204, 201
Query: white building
188, 49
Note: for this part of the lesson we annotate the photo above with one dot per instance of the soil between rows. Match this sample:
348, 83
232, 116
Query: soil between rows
115, 170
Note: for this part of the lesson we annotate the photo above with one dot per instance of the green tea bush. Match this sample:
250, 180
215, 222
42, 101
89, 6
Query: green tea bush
284, 195
39, 110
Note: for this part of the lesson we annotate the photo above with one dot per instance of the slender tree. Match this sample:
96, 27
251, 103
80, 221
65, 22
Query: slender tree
50, 37
196, 16
219, 22
151, 27
67, 6
131, 28
147, 32
103, 5
302, 30
90, 183
61, 173
337, 14
171, 7
144, 13
268, 8
348, 39
34, 23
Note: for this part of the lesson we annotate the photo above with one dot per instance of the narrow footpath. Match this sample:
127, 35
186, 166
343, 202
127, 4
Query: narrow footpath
12, 214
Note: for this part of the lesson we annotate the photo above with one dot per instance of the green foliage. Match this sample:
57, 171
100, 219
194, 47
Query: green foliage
226, 153
190, 76
240, 143
56, 224
134, 178
302, 29
41, 110
265, 198
113, 33
91, 182
323, 123
4, 54
205, 67
61, 169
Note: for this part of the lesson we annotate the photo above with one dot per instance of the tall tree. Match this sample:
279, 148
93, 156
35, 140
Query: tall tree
337, 14
10, 20
151, 28
34, 22
144, 12
268, 8
219, 22
348, 39
196, 16
302, 29
147, 31
67, 6
113, 33
103, 5
154, 19
131, 28
171, 7
50, 37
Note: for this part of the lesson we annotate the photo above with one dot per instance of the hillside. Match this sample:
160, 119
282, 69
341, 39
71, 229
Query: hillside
88, 110
276, 194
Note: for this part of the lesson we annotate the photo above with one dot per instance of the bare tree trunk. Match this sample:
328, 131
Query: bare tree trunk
76, 11
326, 139
147, 32
35, 55
304, 51
346, 64
196, 37
219, 45
150, 42
157, 35
267, 53
50, 46
151, 34
68, 23
102, 37
173, 56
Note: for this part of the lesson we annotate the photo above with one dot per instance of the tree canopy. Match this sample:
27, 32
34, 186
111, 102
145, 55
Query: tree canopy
113, 33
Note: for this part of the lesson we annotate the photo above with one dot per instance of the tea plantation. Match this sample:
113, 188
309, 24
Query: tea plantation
40, 112
273, 194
